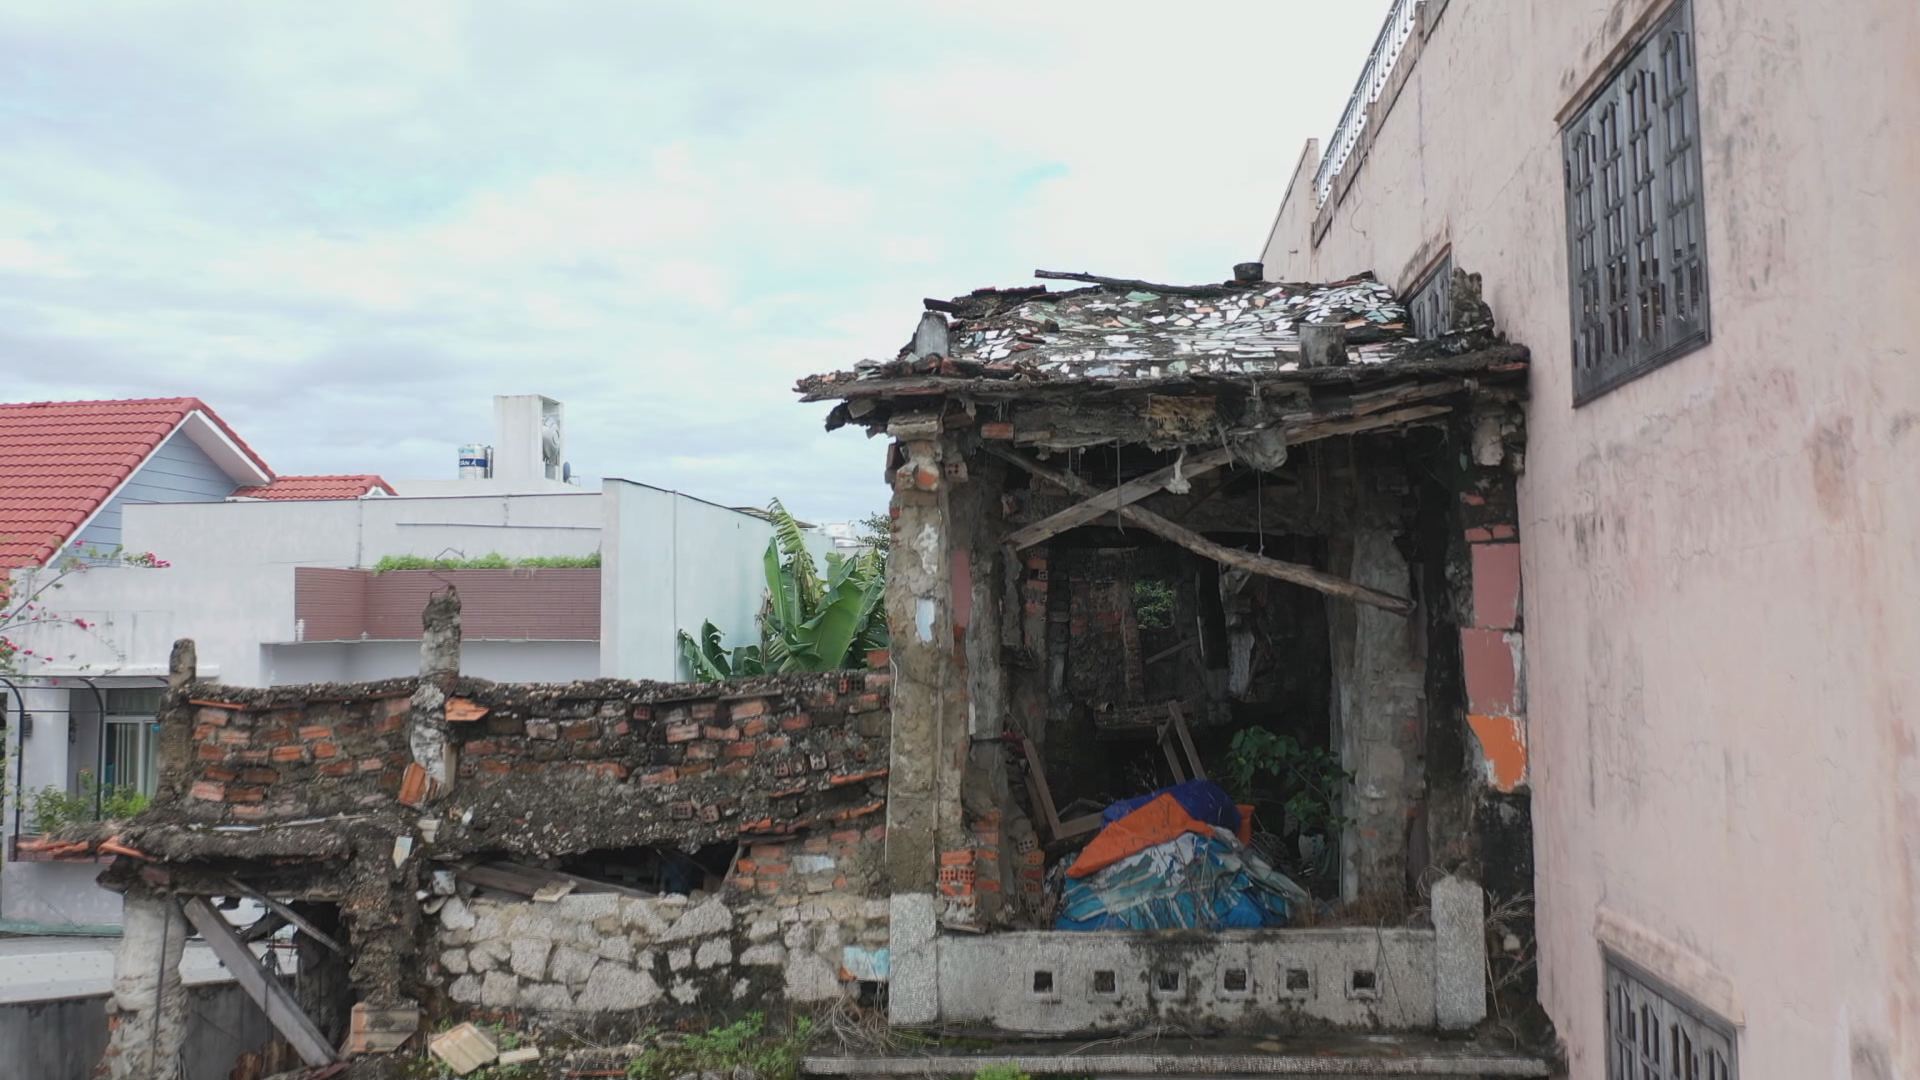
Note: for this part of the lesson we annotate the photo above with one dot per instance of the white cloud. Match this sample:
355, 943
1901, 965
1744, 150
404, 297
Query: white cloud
347, 225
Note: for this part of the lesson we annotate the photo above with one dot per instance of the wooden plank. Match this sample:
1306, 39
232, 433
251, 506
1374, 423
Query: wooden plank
1109, 501
1177, 719
1085, 823
1037, 775
1323, 429
1173, 759
288, 914
266, 991
1319, 580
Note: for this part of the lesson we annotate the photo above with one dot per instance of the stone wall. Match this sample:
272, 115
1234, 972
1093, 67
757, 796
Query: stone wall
607, 953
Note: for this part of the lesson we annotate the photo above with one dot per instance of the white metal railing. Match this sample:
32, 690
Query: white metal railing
1401, 19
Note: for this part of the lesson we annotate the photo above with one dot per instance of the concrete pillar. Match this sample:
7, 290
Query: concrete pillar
147, 1012
1460, 953
427, 737
1379, 700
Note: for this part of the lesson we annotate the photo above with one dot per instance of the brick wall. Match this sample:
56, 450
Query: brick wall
601, 764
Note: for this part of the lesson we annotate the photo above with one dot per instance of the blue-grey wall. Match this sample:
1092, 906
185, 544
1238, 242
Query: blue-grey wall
178, 471
62, 1040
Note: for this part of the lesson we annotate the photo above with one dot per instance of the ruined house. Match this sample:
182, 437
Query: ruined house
1320, 509
1132, 523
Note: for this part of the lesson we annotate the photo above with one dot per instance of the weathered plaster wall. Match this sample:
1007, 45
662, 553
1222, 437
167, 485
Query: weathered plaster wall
1719, 563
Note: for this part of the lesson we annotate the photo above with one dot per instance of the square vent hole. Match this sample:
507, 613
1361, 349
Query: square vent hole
1043, 983
1234, 981
1105, 982
1363, 984
1299, 981
1166, 982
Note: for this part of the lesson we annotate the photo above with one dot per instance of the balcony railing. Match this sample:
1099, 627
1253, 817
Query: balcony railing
1401, 20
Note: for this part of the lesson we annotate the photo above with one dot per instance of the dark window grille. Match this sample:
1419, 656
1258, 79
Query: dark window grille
1636, 228
1655, 1034
1429, 304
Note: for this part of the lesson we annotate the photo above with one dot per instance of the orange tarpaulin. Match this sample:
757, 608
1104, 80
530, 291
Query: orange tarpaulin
1155, 823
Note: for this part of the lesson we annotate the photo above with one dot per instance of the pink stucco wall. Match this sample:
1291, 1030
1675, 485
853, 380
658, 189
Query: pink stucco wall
1722, 558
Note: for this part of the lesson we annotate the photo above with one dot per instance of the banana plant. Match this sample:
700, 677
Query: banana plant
807, 623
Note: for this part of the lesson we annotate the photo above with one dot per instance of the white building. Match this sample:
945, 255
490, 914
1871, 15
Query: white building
276, 586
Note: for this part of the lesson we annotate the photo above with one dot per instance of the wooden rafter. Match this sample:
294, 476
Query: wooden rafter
266, 991
1106, 502
1319, 580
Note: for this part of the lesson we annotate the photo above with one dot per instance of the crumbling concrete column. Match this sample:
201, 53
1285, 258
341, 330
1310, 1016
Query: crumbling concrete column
1460, 953
1379, 702
172, 758
427, 736
147, 1012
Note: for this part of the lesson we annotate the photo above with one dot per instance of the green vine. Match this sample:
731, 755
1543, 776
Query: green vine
1310, 777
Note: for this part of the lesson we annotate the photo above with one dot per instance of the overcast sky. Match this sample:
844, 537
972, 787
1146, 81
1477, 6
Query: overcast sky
346, 226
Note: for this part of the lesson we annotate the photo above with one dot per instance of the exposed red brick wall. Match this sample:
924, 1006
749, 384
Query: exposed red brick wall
795, 765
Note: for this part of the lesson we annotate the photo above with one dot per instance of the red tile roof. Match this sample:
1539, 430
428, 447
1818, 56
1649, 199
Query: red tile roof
350, 486
60, 460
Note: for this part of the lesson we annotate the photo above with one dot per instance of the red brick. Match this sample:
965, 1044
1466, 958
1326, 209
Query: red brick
742, 749
961, 857
246, 794
878, 832
643, 712
694, 768
1490, 658
704, 710
336, 768
796, 722
622, 727
315, 732
740, 710
211, 717
323, 750
220, 774
1490, 532
255, 756
997, 429
392, 722
855, 778
231, 737
879, 680
414, 785
578, 730
612, 770
493, 768
481, 748
723, 733
679, 733
397, 706
659, 776
702, 751
1496, 585
210, 753
371, 764
208, 791
250, 811
775, 744
847, 836
734, 768
754, 728
288, 753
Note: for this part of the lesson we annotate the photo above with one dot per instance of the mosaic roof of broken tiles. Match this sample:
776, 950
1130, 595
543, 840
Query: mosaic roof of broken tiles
1116, 333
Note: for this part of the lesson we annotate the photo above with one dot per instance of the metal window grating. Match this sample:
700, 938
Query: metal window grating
1654, 1034
1429, 305
1636, 229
